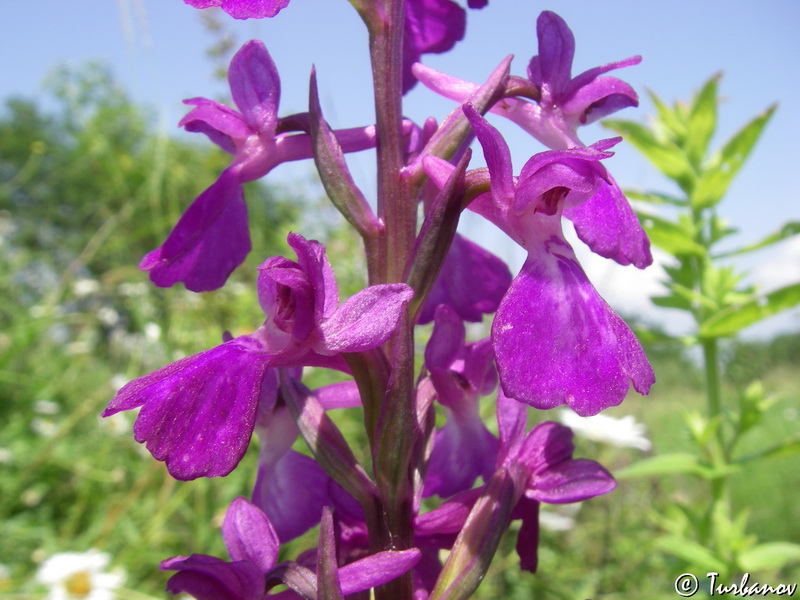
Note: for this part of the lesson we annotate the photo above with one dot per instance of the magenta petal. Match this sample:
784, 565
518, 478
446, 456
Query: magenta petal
585, 353
432, 26
601, 97
528, 536
472, 281
249, 535
198, 413
376, 569
571, 481
498, 156
209, 578
243, 9
220, 123
365, 320
608, 225
314, 262
209, 241
556, 51
255, 86
292, 507
462, 452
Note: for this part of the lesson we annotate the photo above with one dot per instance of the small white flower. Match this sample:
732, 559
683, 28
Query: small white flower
79, 576
624, 432
85, 287
44, 427
152, 332
559, 517
46, 407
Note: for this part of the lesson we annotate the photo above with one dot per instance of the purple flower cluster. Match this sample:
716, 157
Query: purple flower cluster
553, 340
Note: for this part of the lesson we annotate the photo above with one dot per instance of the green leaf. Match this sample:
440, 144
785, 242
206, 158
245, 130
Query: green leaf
788, 230
664, 464
691, 552
666, 156
734, 318
787, 448
669, 119
670, 237
655, 198
702, 121
770, 555
725, 164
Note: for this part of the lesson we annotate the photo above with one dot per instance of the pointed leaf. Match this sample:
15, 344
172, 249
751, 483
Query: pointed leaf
668, 158
669, 119
717, 176
771, 555
665, 464
733, 318
655, 198
671, 237
702, 121
691, 552
788, 230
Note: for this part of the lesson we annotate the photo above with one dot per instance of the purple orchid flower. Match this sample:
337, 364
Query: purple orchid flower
211, 239
585, 353
292, 509
463, 449
606, 223
253, 547
553, 476
472, 281
198, 413
564, 103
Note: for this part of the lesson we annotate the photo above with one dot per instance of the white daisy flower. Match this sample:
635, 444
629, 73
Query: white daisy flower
624, 432
79, 576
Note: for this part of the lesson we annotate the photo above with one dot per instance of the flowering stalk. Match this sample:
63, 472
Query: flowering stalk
554, 340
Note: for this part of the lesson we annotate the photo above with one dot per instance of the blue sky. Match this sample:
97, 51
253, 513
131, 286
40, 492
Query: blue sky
156, 49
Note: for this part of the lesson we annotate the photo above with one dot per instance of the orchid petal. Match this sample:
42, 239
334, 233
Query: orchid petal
221, 124
472, 281
498, 156
243, 9
571, 481
292, 509
608, 225
209, 241
585, 352
556, 51
208, 578
376, 569
198, 413
365, 320
249, 535
255, 86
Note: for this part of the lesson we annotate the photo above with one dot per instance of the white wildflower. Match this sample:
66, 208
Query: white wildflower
44, 427
79, 575
46, 407
624, 432
560, 517
85, 287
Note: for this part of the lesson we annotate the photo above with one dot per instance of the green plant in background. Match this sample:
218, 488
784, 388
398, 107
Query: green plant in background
706, 530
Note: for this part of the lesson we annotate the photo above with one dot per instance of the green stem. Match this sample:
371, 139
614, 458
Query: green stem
396, 209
